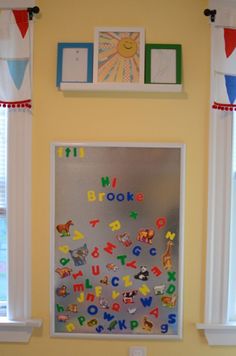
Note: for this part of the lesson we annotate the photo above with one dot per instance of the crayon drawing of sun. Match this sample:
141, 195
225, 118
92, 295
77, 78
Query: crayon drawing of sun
119, 57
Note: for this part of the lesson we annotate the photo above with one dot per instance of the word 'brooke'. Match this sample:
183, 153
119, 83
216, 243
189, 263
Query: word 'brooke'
102, 196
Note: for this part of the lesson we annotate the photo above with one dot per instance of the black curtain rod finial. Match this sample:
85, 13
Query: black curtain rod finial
32, 11
211, 13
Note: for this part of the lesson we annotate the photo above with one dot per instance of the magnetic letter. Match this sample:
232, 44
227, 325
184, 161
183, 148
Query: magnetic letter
105, 181
139, 197
115, 307
170, 235
95, 252
115, 281
137, 250
146, 302
94, 222
64, 248
171, 276
91, 195
80, 298
101, 196
81, 320
155, 270
78, 235
133, 324
153, 251
127, 281
132, 264
155, 312
115, 294
144, 289
98, 291
87, 284
99, 329
60, 308
133, 215
122, 258
160, 222
122, 324
110, 247
92, 309
78, 287
171, 289
115, 225
107, 316
78, 274
96, 270
164, 328
70, 327
64, 261
90, 297
172, 318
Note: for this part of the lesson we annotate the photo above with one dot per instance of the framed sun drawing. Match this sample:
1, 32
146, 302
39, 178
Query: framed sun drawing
119, 55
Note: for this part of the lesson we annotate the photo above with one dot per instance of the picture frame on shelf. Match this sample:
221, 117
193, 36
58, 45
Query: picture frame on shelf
74, 63
163, 63
119, 54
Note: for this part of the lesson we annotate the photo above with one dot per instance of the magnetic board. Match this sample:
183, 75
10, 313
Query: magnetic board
117, 240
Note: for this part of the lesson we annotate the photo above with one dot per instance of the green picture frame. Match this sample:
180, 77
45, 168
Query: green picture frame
163, 63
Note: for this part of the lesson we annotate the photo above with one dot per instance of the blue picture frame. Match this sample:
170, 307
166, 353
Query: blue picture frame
84, 74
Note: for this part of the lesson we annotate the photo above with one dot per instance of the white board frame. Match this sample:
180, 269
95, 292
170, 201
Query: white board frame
98, 145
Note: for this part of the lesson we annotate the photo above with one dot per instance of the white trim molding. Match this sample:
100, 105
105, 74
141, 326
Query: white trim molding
219, 334
17, 331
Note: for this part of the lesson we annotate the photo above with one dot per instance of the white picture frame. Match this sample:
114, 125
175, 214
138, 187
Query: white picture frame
119, 55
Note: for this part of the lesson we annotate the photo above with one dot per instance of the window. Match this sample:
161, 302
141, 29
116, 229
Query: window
220, 292
16, 325
3, 222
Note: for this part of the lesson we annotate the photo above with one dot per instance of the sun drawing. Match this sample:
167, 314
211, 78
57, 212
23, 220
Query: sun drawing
118, 57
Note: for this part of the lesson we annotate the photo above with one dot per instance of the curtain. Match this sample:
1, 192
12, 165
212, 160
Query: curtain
15, 97
15, 51
224, 60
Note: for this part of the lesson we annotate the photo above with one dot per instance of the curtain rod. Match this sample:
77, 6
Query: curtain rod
31, 10
211, 13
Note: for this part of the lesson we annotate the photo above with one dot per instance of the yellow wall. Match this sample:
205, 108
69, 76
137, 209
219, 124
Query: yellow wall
181, 117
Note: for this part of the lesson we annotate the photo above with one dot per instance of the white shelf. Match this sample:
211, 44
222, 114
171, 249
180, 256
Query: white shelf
154, 88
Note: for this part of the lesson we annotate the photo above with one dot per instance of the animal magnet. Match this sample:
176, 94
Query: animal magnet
73, 308
128, 297
124, 238
62, 318
62, 291
112, 267
143, 274
64, 229
64, 272
147, 324
169, 301
79, 255
146, 235
166, 257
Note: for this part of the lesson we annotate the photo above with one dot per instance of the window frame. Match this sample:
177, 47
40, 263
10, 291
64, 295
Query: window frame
217, 328
18, 325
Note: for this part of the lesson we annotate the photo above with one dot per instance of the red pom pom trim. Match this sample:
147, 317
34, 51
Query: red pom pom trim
16, 104
223, 107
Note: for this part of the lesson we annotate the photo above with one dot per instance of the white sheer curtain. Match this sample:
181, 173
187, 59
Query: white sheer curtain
15, 97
